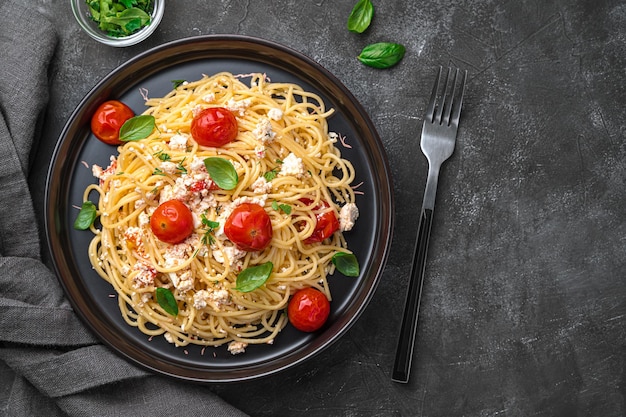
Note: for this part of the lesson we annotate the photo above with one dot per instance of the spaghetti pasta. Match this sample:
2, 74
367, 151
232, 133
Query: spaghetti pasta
286, 161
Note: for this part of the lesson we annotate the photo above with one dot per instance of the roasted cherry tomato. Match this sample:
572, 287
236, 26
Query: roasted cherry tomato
327, 222
172, 222
308, 309
215, 126
107, 120
249, 227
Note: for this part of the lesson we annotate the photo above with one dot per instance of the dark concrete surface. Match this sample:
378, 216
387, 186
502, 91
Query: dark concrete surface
524, 304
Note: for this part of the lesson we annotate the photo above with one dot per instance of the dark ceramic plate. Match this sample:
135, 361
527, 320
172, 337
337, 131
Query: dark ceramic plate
154, 71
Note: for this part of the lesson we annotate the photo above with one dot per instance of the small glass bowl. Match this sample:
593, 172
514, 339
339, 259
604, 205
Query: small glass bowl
83, 17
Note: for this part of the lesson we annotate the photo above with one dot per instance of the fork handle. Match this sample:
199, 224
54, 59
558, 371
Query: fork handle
408, 329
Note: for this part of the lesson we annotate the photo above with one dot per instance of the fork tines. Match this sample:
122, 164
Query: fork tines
444, 106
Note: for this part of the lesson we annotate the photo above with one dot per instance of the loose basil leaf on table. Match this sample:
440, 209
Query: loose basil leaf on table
86, 216
361, 16
382, 54
222, 172
137, 128
253, 277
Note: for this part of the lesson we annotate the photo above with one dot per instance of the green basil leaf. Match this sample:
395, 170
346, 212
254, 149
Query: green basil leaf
166, 300
253, 277
137, 128
222, 172
382, 55
361, 16
346, 263
177, 83
86, 216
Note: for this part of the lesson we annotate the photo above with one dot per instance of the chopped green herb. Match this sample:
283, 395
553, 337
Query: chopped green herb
180, 166
158, 171
177, 83
270, 175
211, 225
120, 18
163, 156
286, 208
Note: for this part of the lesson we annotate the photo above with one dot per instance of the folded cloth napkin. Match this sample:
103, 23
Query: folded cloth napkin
50, 364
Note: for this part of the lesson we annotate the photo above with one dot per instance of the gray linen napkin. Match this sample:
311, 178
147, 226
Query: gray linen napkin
50, 364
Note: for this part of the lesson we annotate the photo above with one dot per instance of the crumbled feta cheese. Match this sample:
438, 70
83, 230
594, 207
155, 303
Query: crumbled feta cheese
230, 255
263, 131
235, 347
178, 141
183, 281
215, 298
209, 98
259, 151
292, 165
197, 164
238, 106
168, 167
334, 137
144, 219
347, 216
275, 114
145, 275
177, 254
261, 185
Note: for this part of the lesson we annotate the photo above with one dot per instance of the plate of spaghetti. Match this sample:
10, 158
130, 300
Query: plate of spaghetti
241, 219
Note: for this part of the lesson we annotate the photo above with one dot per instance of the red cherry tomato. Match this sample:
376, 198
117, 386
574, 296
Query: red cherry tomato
172, 222
308, 309
107, 120
249, 227
327, 222
215, 126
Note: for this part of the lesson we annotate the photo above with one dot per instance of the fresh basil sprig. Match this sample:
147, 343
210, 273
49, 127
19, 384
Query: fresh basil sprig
166, 300
346, 263
361, 16
86, 216
253, 277
222, 172
382, 54
137, 128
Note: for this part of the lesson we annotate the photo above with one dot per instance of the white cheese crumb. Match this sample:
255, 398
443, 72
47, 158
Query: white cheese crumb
292, 165
261, 185
235, 347
347, 217
263, 131
178, 141
168, 167
238, 106
275, 114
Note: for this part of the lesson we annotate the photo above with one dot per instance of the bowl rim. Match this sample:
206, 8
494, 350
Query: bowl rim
98, 35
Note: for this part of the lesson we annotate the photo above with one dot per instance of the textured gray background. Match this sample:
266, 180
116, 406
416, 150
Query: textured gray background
524, 305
